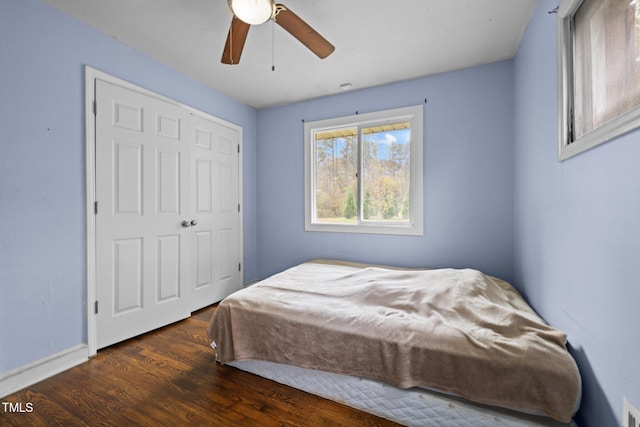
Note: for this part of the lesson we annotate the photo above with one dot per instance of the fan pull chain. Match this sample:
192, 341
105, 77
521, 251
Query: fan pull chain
273, 45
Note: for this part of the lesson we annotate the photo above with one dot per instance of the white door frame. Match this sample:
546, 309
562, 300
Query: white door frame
91, 74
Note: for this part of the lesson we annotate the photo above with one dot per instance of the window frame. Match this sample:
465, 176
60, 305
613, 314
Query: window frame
414, 227
568, 145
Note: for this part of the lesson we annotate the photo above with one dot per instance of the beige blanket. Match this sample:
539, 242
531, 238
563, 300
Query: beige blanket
456, 331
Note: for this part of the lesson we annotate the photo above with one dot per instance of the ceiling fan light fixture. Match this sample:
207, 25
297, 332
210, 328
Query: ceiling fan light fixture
254, 12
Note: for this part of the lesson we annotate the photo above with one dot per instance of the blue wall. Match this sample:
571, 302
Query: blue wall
577, 233
468, 178
495, 196
42, 169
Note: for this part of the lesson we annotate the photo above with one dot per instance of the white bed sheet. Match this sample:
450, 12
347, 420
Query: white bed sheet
411, 407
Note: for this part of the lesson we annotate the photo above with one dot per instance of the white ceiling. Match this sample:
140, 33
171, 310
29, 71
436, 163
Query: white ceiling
376, 41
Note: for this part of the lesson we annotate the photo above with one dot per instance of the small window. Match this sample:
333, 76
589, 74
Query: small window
363, 173
599, 72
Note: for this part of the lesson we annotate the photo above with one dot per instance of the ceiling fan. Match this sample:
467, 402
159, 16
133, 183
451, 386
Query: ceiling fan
255, 12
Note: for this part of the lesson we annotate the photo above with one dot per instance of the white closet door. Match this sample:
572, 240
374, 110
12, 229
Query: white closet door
142, 187
216, 209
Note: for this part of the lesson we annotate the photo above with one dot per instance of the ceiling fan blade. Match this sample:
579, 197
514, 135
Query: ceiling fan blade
303, 32
235, 41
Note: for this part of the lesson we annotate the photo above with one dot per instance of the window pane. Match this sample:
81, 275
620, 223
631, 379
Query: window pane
386, 167
335, 176
606, 62
363, 173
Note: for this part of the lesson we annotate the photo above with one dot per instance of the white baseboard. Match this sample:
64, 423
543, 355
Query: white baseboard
39, 370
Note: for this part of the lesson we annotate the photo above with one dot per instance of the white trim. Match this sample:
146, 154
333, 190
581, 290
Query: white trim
90, 77
91, 74
42, 369
620, 125
416, 227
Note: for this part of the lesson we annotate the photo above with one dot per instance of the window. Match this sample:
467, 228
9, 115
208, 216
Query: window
363, 173
599, 72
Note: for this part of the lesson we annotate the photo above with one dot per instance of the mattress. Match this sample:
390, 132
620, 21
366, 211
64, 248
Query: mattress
456, 331
409, 407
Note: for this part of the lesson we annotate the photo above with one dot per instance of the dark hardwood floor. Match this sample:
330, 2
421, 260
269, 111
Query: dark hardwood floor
169, 378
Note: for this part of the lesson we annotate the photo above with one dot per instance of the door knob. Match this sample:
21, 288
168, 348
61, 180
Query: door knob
193, 223
185, 224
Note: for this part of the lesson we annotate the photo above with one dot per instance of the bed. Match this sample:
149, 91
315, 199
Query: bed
417, 346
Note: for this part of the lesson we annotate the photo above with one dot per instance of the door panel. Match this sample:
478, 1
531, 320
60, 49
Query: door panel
215, 160
169, 255
142, 188
168, 182
127, 275
127, 116
127, 172
228, 264
203, 186
168, 126
227, 201
203, 258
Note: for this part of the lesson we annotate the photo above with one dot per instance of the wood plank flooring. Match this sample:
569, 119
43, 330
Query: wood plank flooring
169, 377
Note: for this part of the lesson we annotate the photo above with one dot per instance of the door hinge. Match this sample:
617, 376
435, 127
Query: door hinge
95, 307
95, 208
95, 108
238, 148
239, 266
238, 207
